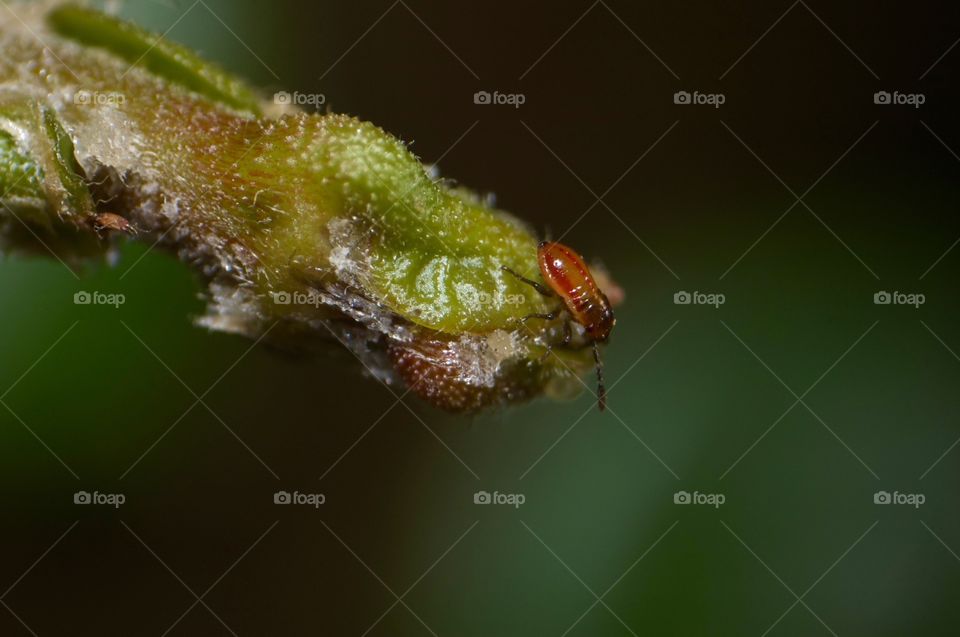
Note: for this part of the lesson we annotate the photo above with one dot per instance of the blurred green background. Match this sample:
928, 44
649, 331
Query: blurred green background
703, 399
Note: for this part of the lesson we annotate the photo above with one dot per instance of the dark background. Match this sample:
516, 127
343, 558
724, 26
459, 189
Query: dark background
700, 397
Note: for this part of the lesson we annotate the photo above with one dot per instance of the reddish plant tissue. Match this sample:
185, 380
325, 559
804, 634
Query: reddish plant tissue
450, 373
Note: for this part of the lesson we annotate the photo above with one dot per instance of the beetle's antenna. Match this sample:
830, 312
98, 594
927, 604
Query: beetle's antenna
601, 388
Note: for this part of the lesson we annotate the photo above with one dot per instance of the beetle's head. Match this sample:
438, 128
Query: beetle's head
600, 329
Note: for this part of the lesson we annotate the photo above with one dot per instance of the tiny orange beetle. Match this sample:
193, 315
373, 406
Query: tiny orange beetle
569, 278
109, 221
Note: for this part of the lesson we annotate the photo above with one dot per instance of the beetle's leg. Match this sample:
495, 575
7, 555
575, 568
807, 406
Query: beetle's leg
601, 388
539, 287
567, 338
550, 316
545, 354
567, 334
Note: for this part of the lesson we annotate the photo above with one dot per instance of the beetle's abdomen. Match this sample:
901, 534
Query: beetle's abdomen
568, 276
